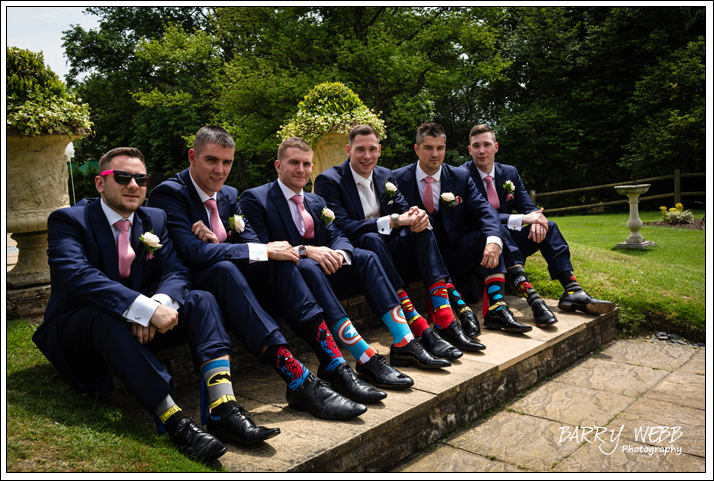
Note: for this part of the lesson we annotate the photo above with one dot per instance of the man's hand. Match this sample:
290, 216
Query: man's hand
490, 255
143, 334
282, 251
418, 219
328, 259
164, 318
539, 225
204, 233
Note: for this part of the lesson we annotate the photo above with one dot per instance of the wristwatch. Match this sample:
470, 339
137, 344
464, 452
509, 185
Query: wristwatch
395, 220
302, 252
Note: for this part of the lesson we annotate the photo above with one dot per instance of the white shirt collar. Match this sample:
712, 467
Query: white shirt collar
420, 174
201, 194
112, 216
358, 178
287, 191
492, 173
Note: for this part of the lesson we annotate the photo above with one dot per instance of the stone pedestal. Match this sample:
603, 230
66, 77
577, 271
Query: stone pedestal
31, 268
330, 150
28, 303
635, 239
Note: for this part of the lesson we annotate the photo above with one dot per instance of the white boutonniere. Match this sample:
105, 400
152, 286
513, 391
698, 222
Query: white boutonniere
151, 244
508, 187
450, 199
236, 223
389, 190
326, 216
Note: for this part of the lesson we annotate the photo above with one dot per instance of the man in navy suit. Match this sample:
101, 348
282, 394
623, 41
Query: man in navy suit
373, 214
119, 292
466, 227
527, 231
241, 271
332, 267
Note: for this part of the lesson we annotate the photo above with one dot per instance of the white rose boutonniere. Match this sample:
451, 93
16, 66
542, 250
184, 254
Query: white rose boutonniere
450, 199
508, 188
389, 190
151, 244
236, 223
326, 216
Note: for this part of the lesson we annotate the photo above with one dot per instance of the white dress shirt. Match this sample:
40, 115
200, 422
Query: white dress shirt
515, 221
141, 310
297, 217
436, 188
370, 203
256, 252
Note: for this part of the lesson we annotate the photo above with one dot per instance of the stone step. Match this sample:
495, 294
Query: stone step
405, 422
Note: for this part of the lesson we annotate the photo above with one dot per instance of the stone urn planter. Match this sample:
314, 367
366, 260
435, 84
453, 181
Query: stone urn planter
36, 186
329, 151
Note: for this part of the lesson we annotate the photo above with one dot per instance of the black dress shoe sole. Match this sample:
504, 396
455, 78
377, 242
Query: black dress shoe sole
395, 387
509, 329
359, 399
320, 415
589, 308
455, 343
234, 439
445, 356
414, 363
546, 324
207, 459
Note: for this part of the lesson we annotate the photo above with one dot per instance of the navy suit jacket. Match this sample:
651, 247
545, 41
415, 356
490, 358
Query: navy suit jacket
473, 213
177, 196
521, 201
337, 186
269, 214
84, 271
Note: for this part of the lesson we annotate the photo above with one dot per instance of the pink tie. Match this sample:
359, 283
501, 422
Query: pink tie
216, 224
126, 253
309, 224
491, 192
429, 195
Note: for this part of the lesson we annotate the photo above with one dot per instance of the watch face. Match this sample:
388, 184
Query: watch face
302, 251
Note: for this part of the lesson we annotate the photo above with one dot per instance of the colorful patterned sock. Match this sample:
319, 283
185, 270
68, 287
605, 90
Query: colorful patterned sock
518, 279
292, 371
397, 325
416, 322
456, 301
568, 281
494, 291
350, 339
440, 306
217, 375
166, 409
320, 339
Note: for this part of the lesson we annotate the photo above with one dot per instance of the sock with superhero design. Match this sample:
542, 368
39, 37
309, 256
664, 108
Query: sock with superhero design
320, 339
457, 303
517, 278
292, 371
494, 291
568, 281
397, 325
439, 305
217, 375
350, 339
416, 322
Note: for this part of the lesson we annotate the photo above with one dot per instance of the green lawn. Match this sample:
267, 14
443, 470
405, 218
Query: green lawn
666, 281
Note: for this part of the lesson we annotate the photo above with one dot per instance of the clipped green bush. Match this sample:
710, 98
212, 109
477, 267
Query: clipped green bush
37, 101
329, 107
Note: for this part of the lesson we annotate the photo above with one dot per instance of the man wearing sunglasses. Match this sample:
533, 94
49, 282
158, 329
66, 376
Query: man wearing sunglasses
119, 293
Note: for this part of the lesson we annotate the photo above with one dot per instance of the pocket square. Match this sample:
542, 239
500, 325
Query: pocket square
458, 200
509, 197
390, 202
149, 256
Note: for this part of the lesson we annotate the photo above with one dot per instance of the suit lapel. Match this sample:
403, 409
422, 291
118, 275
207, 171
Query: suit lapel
224, 208
348, 182
313, 208
378, 183
137, 230
447, 185
473, 170
198, 208
281, 204
500, 180
104, 238
410, 189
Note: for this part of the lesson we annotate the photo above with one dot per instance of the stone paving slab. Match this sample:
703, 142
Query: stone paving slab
649, 354
524, 441
651, 412
448, 459
589, 459
609, 376
697, 364
684, 388
573, 405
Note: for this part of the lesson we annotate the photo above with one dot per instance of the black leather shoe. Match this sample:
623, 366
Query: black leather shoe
344, 381
438, 347
381, 374
455, 335
542, 314
503, 319
194, 441
315, 396
414, 354
581, 301
469, 323
237, 427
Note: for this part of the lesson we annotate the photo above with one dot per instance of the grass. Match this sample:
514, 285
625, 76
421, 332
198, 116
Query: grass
663, 285
55, 428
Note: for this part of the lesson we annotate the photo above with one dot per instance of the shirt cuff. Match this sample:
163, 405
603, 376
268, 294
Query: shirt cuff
515, 222
257, 252
167, 301
383, 225
494, 239
141, 310
348, 259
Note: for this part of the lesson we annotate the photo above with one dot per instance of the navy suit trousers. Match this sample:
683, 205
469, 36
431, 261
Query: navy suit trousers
556, 252
94, 339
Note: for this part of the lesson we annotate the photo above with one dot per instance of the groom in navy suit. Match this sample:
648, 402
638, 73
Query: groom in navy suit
373, 214
119, 292
527, 231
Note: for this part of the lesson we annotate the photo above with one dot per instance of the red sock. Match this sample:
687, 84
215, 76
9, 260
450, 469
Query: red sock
416, 322
439, 297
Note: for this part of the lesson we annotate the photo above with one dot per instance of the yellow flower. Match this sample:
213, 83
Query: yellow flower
663, 208
679, 207
672, 209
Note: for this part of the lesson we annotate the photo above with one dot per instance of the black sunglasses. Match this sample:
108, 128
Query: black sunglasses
123, 178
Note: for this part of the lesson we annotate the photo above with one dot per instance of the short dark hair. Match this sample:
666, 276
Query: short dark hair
293, 142
362, 130
106, 159
432, 129
481, 128
212, 134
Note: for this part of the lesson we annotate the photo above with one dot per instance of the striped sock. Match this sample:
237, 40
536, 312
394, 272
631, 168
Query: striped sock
397, 325
416, 322
348, 336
